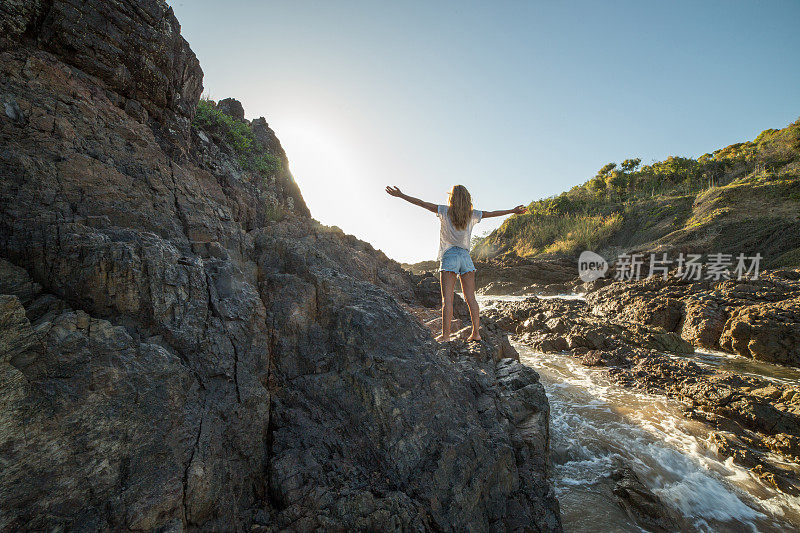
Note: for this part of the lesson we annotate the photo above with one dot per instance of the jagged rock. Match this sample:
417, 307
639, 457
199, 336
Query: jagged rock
152, 65
637, 303
231, 107
264, 133
555, 326
184, 348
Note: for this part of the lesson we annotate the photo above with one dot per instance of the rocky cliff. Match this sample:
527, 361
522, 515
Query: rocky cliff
183, 347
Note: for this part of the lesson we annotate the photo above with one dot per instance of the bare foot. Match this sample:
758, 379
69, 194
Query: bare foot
474, 338
441, 338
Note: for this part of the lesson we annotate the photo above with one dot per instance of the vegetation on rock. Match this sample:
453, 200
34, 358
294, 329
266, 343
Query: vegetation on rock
736, 196
239, 135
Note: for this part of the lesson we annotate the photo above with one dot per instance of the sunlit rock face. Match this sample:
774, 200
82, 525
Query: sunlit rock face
182, 346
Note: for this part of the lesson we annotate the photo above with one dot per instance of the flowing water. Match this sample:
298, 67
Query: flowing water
597, 426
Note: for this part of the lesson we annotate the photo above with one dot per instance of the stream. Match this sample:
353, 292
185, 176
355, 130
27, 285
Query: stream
597, 426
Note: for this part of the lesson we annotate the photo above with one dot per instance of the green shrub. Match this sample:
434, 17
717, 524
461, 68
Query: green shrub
266, 164
237, 134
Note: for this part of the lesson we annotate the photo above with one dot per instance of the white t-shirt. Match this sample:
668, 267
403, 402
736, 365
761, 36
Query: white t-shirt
450, 236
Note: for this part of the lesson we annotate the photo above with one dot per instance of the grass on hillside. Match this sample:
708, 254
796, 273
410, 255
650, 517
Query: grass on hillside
632, 204
561, 234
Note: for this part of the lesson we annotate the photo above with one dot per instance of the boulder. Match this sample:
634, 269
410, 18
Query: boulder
233, 108
703, 324
768, 332
639, 502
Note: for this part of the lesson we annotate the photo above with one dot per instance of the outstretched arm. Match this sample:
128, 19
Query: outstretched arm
502, 212
394, 191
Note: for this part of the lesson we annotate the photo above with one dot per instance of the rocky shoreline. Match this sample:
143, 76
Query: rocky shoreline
645, 333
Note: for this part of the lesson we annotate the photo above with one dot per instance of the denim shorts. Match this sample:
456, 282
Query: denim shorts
456, 259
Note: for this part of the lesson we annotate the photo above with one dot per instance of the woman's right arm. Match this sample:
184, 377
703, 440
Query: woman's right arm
394, 191
520, 209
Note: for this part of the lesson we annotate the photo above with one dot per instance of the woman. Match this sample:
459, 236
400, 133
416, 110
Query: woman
457, 220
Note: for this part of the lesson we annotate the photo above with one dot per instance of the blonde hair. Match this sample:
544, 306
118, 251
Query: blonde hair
459, 206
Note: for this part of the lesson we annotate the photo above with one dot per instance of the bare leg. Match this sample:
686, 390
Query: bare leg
468, 288
448, 283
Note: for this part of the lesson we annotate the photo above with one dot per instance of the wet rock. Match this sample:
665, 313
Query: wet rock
557, 325
763, 414
592, 358
638, 302
759, 319
644, 507
670, 342
599, 357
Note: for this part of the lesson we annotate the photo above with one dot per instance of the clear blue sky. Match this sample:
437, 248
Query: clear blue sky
515, 100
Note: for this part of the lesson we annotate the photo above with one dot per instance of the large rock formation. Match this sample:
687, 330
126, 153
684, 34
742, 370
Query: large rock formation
182, 347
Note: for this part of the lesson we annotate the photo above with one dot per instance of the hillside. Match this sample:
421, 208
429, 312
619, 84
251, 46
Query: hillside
744, 198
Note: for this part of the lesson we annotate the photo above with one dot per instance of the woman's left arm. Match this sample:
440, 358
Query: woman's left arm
520, 209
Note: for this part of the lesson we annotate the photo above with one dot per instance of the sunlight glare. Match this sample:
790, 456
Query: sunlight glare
321, 162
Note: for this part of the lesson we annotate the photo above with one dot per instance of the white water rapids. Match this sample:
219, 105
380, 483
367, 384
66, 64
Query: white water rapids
597, 426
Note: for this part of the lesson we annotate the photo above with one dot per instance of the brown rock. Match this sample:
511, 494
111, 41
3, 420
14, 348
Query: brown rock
767, 332
703, 324
231, 107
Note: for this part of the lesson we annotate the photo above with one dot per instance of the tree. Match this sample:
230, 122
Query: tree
617, 181
633, 182
597, 185
606, 170
630, 165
